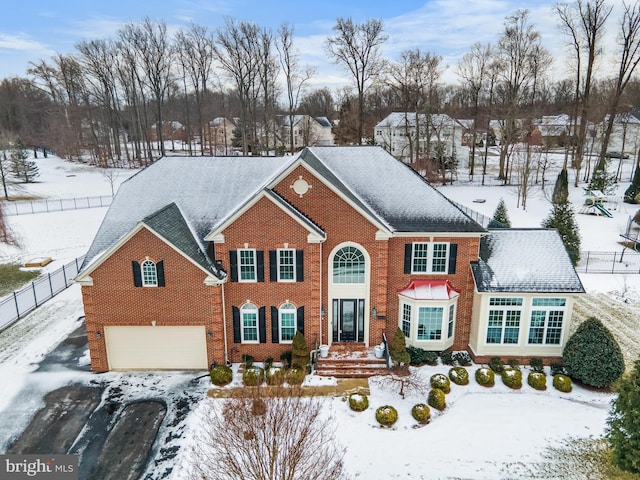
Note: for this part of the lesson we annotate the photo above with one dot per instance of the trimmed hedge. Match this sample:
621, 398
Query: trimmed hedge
485, 377
459, 375
440, 380
221, 375
386, 415
253, 376
562, 383
592, 355
358, 402
512, 378
274, 376
437, 399
295, 376
421, 413
537, 380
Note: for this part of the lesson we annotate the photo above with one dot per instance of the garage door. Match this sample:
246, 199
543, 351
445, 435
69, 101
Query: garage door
156, 348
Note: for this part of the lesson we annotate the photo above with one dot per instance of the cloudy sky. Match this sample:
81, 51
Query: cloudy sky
31, 30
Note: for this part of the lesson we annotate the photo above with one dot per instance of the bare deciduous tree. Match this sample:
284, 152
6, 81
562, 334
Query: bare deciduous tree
259, 438
356, 46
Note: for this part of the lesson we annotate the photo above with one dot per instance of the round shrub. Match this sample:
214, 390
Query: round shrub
485, 377
459, 375
512, 378
421, 413
437, 399
274, 376
358, 402
258, 407
537, 380
562, 383
295, 376
386, 415
440, 380
221, 375
592, 356
253, 376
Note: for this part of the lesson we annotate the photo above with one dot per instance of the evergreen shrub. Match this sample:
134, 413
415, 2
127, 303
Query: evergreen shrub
420, 356
386, 415
536, 364
274, 376
459, 375
512, 378
421, 413
562, 383
485, 377
462, 358
398, 348
295, 375
447, 357
221, 375
358, 402
439, 380
496, 364
253, 376
537, 380
299, 351
437, 399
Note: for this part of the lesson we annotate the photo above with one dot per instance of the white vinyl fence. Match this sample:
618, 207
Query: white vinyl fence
55, 205
21, 302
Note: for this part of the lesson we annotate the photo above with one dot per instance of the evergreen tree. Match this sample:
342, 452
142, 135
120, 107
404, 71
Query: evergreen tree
561, 188
601, 181
398, 348
631, 194
21, 166
624, 422
299, 351
592, 355
563, 220
500, 217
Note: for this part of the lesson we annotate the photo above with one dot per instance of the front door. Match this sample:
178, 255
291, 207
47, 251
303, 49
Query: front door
348, 321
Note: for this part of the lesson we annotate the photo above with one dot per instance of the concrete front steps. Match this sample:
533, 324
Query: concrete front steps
350, 360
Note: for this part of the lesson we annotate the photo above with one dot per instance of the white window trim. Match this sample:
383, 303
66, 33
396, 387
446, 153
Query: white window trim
415, 306
547, 309
142, 276
255, 265
504, 308
293, 252
249, 308
430, 247
295, 323
453, 306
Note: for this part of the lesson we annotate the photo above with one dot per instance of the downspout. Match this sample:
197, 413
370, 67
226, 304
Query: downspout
326, 313
224, 326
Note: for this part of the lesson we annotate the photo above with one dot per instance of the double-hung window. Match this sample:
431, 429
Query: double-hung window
503, 325
429, 257
286, 265
547, 316
247, 265
287, 314
249, 323
406, 320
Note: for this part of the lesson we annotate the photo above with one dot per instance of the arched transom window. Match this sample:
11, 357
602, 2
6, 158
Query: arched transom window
287, 315
348, 265
149, 274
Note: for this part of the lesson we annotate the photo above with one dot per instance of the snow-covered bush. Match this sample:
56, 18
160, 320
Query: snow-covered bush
253, 376
295, 376
421, 413
358, 402
459, 375
485, 377
512, 378
386, 415
437, 399
537, 380
274, 376
221, 375
463, 358
562, 383
440, 380
536, 364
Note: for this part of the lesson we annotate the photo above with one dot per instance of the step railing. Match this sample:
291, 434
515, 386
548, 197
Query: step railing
387, 355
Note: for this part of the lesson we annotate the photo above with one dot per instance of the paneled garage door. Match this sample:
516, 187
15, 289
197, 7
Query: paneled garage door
156, 348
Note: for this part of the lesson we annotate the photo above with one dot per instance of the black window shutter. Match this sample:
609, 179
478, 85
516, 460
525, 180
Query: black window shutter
408, 249
300, 319
273, 266
275, 330
137, 274
260, 264
160, 272
233, 264
237, 338
453, 252
299, 265
262, 325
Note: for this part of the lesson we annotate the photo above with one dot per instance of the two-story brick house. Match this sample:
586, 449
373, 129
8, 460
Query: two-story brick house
205, 259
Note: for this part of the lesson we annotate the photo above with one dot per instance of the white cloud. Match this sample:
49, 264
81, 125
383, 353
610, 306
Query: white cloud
21, 43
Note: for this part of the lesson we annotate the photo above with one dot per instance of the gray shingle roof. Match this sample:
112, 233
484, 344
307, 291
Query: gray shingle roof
525, 260
171, 224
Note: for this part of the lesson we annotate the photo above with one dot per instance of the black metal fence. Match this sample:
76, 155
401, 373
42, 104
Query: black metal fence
477, 216
55, 205
45, 287
625, 261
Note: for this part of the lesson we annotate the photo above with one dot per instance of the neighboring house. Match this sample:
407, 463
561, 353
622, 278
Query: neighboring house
203, 259
307, 132
171, 131
219, 136
408, 136
625, 134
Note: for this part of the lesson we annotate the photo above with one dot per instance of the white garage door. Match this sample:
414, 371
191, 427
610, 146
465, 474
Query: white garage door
156, 348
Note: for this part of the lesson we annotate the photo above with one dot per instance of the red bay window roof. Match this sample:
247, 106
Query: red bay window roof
429, 290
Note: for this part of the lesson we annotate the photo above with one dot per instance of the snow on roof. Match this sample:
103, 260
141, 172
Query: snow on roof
400, 119
429, 290
389, 190
525, 260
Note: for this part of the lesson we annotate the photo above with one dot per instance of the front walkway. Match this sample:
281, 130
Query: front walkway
343, 387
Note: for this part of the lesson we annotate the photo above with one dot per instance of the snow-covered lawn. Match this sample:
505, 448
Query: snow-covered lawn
483, 433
